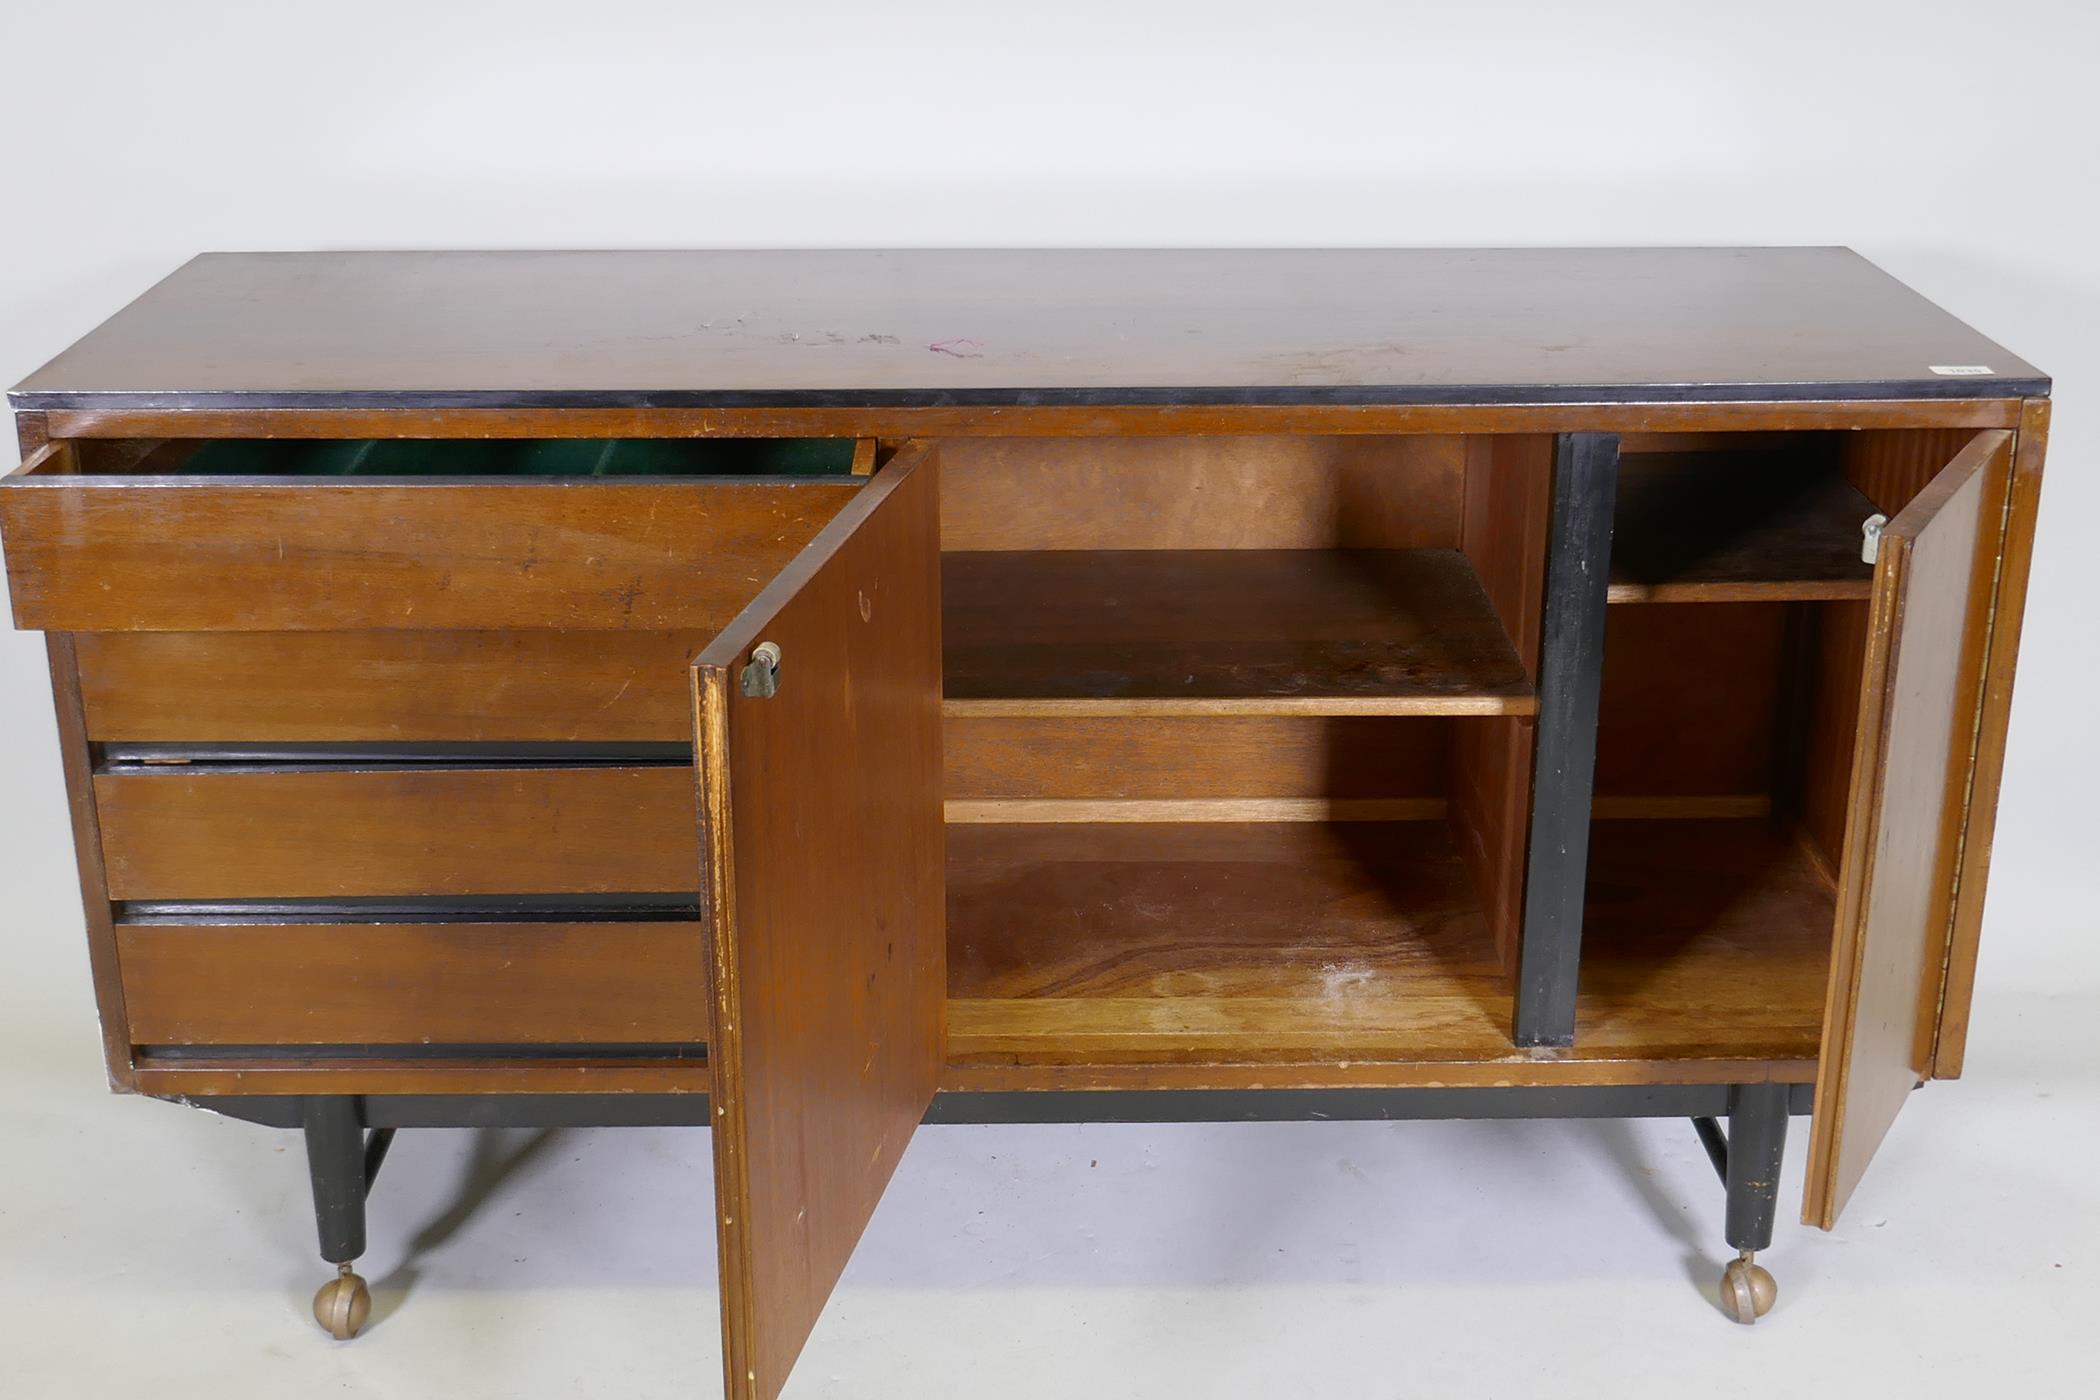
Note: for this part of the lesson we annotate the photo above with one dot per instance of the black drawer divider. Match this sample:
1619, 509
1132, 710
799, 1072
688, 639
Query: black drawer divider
667, 907
265, 758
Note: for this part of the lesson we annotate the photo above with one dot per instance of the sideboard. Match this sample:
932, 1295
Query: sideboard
816, 693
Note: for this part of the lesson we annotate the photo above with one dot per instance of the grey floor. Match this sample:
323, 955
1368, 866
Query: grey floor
149, 1247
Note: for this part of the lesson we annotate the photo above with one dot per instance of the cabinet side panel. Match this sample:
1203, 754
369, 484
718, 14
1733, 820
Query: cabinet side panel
87, 850
32, 430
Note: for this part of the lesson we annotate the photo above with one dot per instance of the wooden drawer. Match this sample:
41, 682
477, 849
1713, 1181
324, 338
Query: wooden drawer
93, 552
388, 687
198, 834
461, 983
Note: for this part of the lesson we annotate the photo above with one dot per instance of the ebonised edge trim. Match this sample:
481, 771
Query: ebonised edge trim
1148, 396
671, 906
320, 757
155, 1055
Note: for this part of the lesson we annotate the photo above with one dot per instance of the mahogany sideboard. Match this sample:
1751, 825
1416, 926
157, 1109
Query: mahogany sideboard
813, 693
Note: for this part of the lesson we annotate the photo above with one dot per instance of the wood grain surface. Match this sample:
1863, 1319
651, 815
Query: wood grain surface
1021, 326
1304, 947
1737, 526
1225, 631
188, 834
528, 686
456, 983
821, 815
2016, 558
1508, 505
1205, 492
77, 759
1193, 757
193, 554
1920, 698
1690, 700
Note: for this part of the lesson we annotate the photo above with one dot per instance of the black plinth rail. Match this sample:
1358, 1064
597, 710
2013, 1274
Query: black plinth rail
1571, 670
385, 1112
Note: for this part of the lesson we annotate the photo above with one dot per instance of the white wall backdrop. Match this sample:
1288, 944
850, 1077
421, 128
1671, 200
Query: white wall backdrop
1953, 143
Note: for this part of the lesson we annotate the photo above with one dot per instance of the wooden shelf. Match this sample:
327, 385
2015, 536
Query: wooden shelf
1356, 953
1736, 527
1240, 631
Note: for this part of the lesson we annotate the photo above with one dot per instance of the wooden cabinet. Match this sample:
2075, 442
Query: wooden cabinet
813, 694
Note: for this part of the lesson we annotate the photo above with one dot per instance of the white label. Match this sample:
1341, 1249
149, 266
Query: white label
1960, 369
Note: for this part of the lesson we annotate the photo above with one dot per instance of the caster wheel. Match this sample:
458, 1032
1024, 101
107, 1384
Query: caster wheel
1747, 1289
342, 1305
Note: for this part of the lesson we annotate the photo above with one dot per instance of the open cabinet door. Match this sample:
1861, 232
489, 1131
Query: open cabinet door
1919, 699
820, 809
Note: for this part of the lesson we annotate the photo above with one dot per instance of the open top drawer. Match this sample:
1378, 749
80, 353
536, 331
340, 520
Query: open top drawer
569, 535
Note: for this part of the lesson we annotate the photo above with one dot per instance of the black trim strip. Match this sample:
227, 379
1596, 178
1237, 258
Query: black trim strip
475, 1110
89, 481
669, 906
135, 758
151, 1055
1265, 395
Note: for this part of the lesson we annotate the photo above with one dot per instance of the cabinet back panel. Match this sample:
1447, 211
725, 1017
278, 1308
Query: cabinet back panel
1691, 699
1243, 492
1203, 757
1891, 465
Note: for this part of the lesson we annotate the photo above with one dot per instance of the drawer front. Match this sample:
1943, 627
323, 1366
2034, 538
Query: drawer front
384, 687
213, 835
89, 553
268, 984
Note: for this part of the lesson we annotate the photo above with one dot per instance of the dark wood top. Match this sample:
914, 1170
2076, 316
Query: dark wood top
1099, 327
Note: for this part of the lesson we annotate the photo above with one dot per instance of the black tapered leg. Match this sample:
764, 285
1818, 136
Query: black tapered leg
1756, 1141
342, 1161
335, 1160
1747, 1158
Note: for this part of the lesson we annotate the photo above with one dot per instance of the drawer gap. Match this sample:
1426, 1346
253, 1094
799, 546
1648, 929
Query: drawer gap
265, 758
671, 906
693, 1051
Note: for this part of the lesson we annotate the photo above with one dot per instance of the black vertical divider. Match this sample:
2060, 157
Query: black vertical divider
1571, 670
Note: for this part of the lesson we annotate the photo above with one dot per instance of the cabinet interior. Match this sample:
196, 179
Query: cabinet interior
1240, 730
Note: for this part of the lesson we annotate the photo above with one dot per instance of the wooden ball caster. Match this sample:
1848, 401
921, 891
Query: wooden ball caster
1747, 1289
343, 1305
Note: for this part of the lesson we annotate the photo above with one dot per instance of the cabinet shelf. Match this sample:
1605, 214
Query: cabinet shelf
1737, 527
1357, 953
1238, 631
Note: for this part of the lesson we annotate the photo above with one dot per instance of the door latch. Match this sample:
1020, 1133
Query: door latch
1870, 537
762, 672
